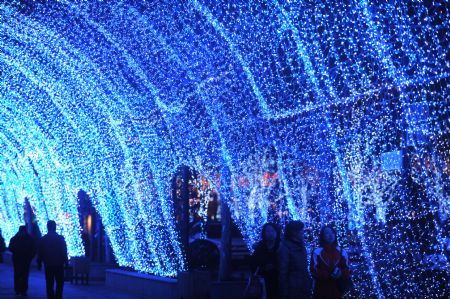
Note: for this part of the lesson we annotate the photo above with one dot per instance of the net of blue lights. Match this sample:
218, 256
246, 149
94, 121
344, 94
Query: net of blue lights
310, 106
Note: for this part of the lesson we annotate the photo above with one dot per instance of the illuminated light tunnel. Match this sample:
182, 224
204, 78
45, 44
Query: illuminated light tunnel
308, 106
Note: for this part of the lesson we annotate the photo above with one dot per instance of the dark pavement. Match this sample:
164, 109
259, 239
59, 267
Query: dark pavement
36, 289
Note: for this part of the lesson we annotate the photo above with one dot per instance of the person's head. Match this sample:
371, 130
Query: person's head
294, 231
213, 196
51, 226
327, 236
22, 229
270, 233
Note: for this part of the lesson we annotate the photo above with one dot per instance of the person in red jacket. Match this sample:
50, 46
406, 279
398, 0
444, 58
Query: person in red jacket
329, 263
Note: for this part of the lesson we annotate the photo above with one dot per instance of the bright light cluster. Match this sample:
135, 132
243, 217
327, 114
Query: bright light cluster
299, 101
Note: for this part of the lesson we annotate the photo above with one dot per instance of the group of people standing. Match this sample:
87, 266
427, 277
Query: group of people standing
51, 250
284, 263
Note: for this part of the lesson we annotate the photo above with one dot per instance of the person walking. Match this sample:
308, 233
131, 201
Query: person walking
329, 266
23, 249
53, 253
294, 281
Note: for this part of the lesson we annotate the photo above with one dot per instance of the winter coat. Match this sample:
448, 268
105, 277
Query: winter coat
2, 244
323, 262
23, 248
294, 280
266, 261
52, 250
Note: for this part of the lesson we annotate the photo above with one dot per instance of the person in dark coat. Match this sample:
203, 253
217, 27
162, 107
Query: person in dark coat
53, 253
2, 247
264, 258
329, 262
23, 249
294, 281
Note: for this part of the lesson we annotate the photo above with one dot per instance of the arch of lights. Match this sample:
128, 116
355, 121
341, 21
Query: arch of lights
112, 97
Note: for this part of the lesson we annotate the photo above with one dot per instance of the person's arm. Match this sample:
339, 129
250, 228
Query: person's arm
39, 254
253, 261
66, 258
35, 246
345, 264
316, 272
12, 245
283, 271
2, 245
255, 258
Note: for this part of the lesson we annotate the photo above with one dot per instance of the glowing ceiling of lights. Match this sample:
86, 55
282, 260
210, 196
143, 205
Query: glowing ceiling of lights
113, 96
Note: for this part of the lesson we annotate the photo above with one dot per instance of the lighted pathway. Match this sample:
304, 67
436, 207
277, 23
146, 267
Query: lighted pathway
36, 288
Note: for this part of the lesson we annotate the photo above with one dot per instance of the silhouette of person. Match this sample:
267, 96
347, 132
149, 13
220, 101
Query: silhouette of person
294, 279
264, 258
2, 246
213, 205
53, 253
23, 249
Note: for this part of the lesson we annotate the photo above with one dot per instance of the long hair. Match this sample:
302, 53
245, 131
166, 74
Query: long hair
276, 228
322, 241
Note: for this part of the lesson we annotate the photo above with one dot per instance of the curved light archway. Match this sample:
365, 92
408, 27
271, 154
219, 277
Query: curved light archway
304, 104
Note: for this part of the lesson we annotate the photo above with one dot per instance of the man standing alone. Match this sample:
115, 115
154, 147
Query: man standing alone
23, 250
53, 252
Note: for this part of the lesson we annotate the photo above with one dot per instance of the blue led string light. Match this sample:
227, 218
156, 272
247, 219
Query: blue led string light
299, 101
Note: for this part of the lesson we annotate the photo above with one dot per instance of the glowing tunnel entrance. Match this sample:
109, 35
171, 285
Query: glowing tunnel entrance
326, 112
